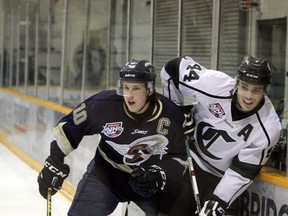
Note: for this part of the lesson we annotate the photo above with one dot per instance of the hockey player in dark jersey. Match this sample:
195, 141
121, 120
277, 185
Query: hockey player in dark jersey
140, 155
235, 130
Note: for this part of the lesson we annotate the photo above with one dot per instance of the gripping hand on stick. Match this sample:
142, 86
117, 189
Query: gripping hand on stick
212, 208
146, 181
52, 175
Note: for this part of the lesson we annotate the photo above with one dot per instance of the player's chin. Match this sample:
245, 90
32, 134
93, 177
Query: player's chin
247, 108
132, 108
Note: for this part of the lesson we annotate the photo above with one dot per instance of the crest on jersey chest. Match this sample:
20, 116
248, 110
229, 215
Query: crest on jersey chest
113, 129
216, 110
141, 149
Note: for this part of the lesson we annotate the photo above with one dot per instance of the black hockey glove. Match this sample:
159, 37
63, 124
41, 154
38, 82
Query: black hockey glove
146, 181
189, 124
52, 175
212, 208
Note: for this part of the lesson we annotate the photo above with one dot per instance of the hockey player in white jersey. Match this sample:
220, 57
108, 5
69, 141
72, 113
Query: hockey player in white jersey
236, 126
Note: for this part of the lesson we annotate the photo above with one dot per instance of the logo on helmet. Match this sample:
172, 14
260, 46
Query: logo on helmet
129, 75
252, 76
131, 65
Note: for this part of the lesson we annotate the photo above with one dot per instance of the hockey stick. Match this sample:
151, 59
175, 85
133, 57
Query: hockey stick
49, 202
49, 197
193, 177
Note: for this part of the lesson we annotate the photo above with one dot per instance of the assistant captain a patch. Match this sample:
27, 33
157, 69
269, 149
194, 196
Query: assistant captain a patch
113, 129
216, 110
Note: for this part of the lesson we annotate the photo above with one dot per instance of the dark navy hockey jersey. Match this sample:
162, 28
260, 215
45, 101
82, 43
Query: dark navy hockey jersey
125, 141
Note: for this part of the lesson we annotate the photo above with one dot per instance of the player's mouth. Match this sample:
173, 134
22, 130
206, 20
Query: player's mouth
248, 104
131, 103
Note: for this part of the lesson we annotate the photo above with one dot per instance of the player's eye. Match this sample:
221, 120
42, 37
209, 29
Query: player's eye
125, 88
257, 91
243, 87
136, 88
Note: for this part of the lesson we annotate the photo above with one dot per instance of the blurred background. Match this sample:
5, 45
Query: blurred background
65, 50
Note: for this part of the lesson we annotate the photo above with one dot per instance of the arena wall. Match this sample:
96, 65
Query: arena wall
26, 125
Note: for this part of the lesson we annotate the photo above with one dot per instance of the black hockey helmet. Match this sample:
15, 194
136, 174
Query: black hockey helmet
255, 70
137, 71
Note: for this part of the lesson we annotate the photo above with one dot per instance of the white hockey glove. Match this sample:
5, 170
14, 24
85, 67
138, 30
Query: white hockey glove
212, 208
146, 181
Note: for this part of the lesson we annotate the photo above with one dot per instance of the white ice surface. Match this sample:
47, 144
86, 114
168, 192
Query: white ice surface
19, 194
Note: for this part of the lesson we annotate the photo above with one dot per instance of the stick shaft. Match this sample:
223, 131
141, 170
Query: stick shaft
49, 196
193, 177
49, 202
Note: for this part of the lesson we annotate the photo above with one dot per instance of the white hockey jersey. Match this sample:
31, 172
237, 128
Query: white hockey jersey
229, 147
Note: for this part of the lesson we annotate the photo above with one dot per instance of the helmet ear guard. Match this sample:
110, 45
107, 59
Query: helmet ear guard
150, 87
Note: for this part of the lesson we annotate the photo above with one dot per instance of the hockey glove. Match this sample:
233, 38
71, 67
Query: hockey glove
52, 175
189, 124
212, 208
146, 181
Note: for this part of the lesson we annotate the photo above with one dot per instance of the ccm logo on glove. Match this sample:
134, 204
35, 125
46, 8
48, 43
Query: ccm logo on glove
55, 170
52, 175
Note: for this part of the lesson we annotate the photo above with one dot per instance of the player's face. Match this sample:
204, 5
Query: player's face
135, 96
249, 96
